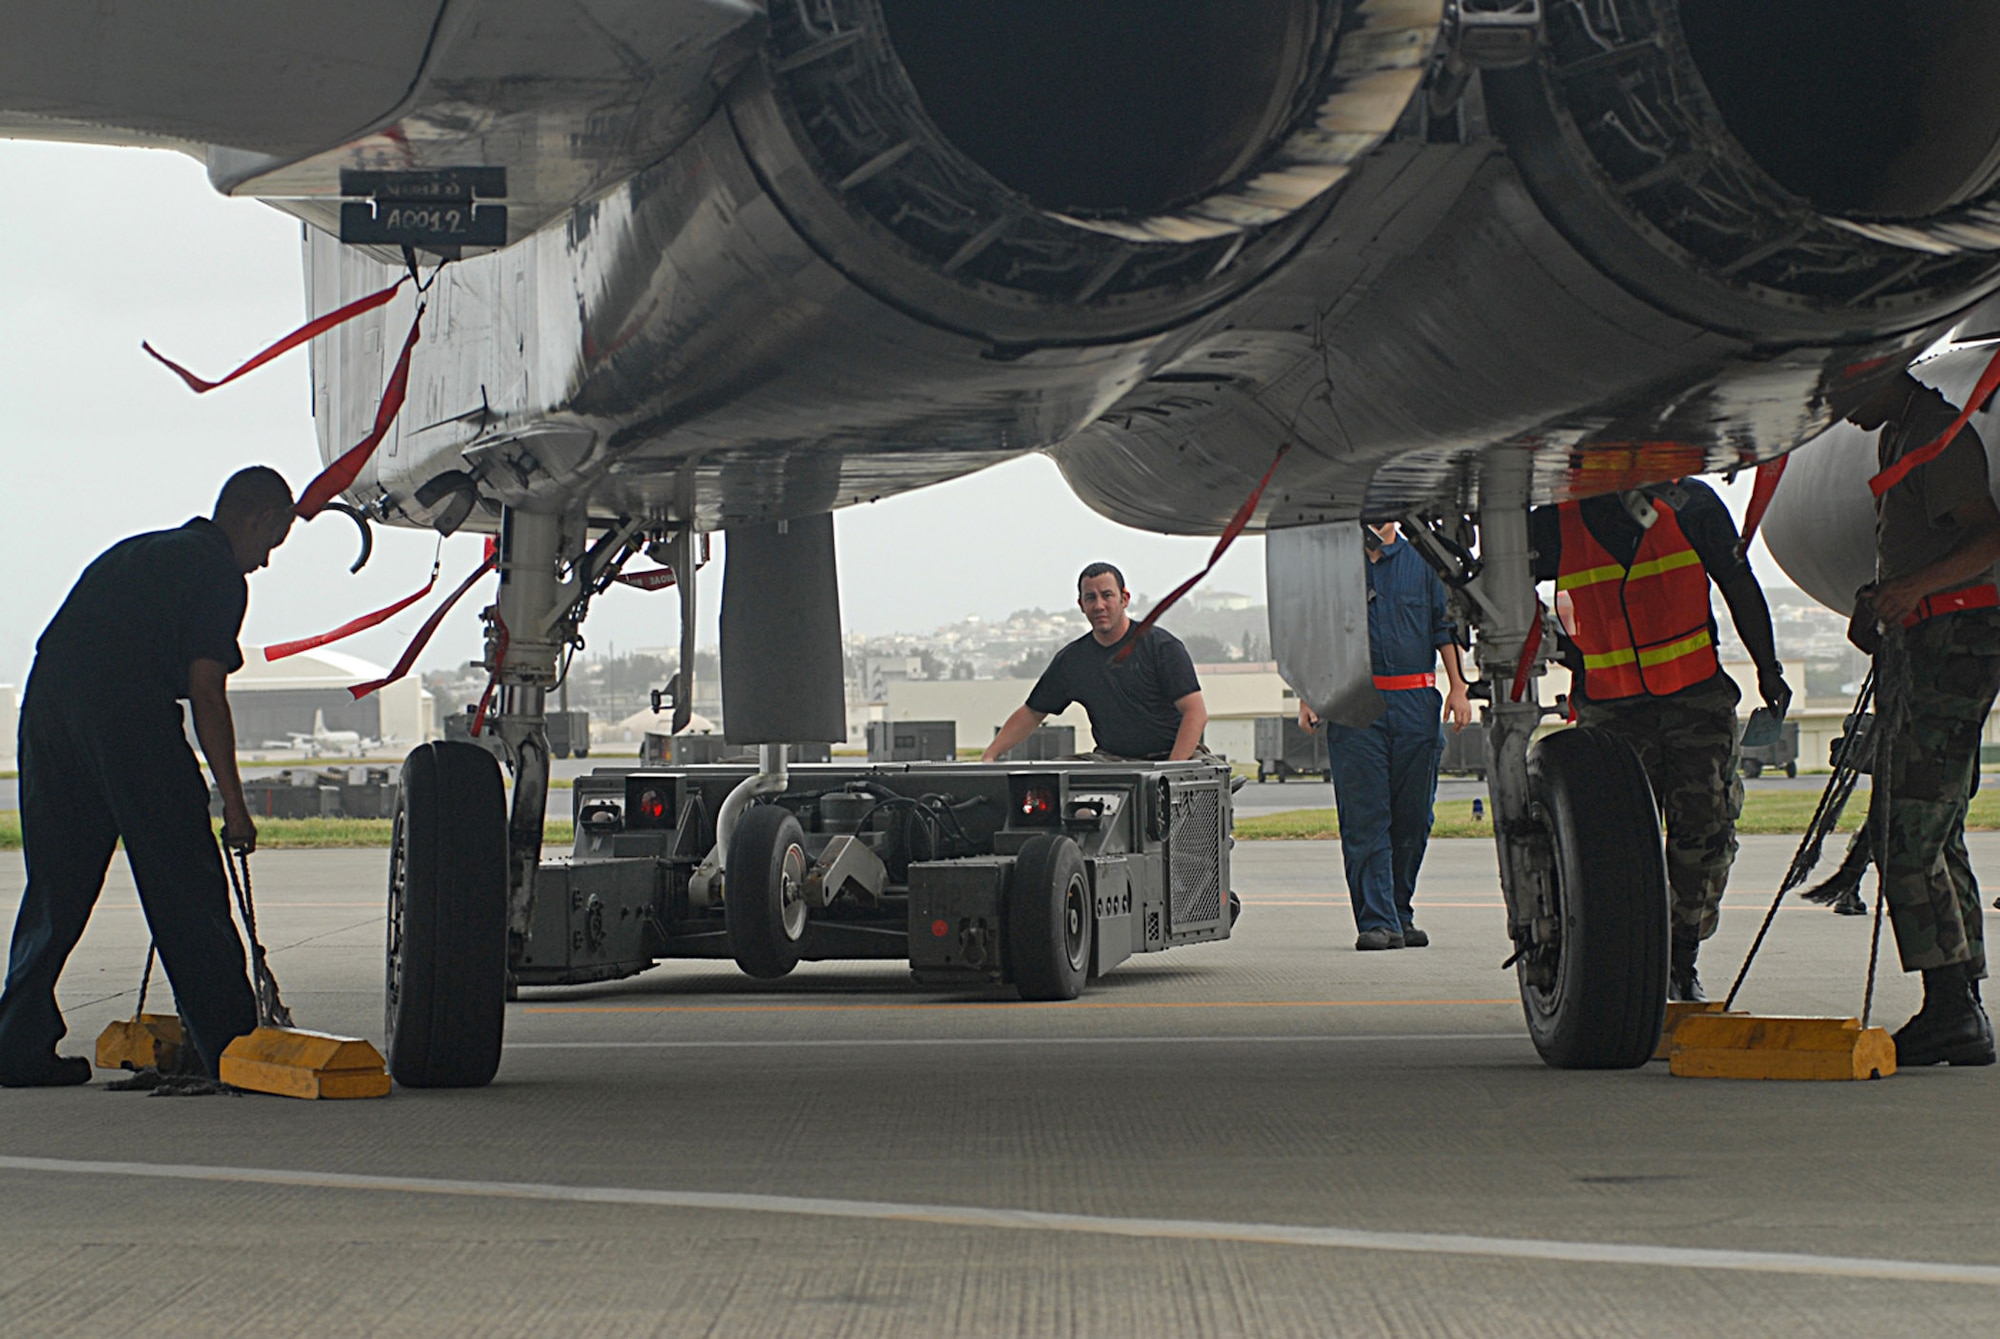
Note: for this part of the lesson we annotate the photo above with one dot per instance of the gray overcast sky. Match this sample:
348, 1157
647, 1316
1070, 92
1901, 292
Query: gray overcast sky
101, 248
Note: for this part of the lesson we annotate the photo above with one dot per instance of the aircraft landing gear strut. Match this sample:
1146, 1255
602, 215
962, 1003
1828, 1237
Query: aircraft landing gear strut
462, 873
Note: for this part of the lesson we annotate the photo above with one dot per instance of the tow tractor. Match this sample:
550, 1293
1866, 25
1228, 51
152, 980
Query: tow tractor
1037, 875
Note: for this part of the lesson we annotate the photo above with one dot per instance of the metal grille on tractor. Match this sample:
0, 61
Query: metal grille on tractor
1194, 870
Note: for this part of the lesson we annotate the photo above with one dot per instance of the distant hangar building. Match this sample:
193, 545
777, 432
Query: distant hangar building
273, 700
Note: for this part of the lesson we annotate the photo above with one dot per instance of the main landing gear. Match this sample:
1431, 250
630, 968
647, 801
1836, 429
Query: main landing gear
1582, 865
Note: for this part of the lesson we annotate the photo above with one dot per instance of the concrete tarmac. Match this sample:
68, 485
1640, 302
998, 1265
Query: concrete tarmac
1270, 1136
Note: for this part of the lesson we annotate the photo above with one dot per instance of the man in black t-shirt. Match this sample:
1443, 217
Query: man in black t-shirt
104, 757
1146, 706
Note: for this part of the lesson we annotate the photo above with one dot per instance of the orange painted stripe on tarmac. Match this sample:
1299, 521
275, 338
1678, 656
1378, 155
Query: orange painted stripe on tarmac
1341, 902
1009, 1005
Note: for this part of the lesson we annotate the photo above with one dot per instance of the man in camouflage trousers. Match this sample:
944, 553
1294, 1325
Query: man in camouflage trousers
1688, 745
1951, 673
1937, 612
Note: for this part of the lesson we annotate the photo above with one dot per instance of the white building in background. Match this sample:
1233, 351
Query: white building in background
977, 706
274, 700
10, 725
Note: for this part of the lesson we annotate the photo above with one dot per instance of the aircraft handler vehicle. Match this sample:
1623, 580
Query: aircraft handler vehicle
1038, 875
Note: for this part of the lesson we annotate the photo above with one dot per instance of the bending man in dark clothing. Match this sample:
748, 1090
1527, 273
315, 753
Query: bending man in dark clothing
1147, 705
104, 756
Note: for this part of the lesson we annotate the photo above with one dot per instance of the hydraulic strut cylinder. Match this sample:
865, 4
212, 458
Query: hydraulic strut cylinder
1509, 611
523, 657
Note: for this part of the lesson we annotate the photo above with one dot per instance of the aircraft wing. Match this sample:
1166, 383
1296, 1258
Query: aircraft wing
570, 98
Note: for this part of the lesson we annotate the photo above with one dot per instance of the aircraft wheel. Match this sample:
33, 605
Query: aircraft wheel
1596, 998
763, 893
447, 953
1050, 919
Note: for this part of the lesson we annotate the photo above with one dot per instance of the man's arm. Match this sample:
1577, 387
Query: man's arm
1980, 520
1018, 727
1457, 702
1751, 614
1194, 719
216, 729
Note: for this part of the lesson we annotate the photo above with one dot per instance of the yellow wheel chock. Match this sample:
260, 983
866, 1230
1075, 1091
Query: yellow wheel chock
1743, 1046
291, 1062
146, 1041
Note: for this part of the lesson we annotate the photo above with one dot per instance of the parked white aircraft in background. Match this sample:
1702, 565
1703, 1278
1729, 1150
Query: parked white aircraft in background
325, 743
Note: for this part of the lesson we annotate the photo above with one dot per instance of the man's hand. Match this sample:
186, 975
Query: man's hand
1013, 730
1771, 686
1194, 719
239, 830
1897, 600
1458, 707
1308, 718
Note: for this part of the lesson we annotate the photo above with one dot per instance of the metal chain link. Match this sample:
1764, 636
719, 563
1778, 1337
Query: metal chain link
145, 981
271, 1010
1832, 802
1892, 715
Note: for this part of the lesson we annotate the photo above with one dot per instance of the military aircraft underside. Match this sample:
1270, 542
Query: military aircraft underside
1450, 258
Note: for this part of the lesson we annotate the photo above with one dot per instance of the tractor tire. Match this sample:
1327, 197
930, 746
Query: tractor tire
447, 952
1601, 1002
1050, 919
763, 891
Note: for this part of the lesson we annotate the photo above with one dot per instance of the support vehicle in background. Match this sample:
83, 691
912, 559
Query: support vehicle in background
1040, 876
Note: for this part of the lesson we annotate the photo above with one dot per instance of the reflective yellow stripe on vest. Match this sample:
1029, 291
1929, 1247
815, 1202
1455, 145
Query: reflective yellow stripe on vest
1653, 567
1660, 655
1590, 576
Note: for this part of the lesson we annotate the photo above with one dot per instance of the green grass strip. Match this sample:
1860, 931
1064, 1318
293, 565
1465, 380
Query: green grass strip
1771, 812
296, 834
1768, 812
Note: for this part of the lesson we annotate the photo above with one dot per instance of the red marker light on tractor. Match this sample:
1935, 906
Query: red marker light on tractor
652, 806
1039, 802
939, 929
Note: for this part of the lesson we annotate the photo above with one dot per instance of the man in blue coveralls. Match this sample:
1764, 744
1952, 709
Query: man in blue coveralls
1385, 774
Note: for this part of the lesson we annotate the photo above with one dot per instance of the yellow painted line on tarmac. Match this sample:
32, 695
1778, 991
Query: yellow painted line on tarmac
1009, 1005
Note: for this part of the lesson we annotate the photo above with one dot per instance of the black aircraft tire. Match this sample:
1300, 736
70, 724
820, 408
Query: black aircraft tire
1607, 1003
763, 890
1050, 919
447, 951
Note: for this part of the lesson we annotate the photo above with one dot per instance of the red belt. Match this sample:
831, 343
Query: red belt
1972, 597
1389, 683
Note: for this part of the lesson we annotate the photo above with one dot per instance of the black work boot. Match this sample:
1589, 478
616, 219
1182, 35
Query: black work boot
1841, 891
1683, 984
1951, 1028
